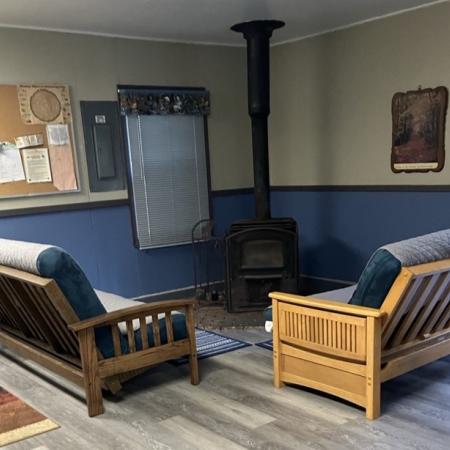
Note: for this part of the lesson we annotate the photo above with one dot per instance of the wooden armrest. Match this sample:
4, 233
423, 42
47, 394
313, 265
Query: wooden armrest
131, 313
327, 305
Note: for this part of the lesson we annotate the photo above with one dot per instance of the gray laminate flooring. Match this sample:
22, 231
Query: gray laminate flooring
234, 407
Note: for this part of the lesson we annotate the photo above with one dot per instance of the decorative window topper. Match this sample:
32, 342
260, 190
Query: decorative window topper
44, 104
159, 101
418, 130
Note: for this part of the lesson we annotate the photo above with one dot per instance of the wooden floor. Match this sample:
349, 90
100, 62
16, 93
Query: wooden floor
235, 407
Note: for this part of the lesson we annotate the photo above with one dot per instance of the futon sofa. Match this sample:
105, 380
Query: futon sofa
49, 312
347, 342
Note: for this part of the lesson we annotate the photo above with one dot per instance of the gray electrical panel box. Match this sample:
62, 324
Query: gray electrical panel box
104, 145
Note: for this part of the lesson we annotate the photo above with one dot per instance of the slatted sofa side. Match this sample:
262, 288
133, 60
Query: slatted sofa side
349, 350
417, 326
34, 318
37, 322
95, 369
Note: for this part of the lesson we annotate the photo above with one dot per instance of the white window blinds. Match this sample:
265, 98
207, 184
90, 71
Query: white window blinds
169, 177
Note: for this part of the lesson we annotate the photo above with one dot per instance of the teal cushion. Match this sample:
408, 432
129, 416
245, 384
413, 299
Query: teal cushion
268, 314
179, 331
376, 279
56, 263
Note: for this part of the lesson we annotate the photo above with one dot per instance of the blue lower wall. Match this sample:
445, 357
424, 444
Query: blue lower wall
101, 240
338, 232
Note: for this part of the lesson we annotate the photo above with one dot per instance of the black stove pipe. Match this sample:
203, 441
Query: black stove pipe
257, 34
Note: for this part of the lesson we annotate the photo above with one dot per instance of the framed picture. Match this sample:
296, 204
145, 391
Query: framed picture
418, 130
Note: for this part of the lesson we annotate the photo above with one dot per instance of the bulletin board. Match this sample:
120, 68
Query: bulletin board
36, 141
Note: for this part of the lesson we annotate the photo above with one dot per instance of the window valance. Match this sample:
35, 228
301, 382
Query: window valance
161, 101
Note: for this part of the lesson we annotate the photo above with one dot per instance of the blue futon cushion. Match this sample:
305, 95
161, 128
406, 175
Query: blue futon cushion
374, 283
376, 279
56, 263
179, 331
268, 314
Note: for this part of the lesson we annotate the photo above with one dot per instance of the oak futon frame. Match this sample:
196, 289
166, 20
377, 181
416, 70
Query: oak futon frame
37, 322
349, 350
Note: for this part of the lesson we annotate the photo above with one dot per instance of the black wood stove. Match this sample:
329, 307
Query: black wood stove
261, 254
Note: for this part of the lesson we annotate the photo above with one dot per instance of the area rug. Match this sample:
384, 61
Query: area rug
213, 344
266, 344
214, 316
20, 421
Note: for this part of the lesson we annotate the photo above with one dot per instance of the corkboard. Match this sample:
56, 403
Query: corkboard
12, 126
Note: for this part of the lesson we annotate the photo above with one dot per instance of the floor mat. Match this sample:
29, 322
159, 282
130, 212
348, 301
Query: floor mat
266, 344
213, 344
20, 421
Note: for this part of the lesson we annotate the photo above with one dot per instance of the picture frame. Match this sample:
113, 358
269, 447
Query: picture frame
418, 130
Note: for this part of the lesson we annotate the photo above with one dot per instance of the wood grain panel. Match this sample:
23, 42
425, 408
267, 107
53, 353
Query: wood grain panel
323, 331
345, 384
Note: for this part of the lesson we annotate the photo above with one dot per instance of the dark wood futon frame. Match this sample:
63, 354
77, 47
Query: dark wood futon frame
38, 323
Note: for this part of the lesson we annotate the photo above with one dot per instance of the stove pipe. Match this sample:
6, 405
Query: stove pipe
258, 33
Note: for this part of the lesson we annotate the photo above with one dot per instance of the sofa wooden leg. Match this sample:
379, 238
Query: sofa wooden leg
276, 371
276, 344
276, 368
373, 402
373, 383
193, 361
89, 361
94, 401
278, 383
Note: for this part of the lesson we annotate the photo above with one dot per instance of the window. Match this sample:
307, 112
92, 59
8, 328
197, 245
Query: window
168, 175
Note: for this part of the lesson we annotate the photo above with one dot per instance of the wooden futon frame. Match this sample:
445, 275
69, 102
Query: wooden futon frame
348, 350
38, 323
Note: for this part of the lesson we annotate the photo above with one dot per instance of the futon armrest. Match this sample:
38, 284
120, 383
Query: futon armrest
327, 305
131, 313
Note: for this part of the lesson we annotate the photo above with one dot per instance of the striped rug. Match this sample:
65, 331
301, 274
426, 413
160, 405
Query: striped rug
20, 421
213, 344
266, 344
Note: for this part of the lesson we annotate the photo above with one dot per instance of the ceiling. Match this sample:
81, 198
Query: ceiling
200, 21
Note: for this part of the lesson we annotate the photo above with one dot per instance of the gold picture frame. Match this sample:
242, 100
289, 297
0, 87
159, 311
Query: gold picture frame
418, 130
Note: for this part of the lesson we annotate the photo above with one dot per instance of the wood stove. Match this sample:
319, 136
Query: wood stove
261, 254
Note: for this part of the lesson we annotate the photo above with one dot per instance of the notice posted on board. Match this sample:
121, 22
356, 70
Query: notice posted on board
11, 168
58, 134
37, 165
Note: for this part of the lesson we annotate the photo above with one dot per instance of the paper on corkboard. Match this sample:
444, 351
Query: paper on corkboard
63, 167
36, 165
43, 104
11, 168
58, 134
12, 127
33, 140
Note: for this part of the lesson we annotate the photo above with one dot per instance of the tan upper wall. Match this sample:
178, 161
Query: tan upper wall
331, 99
331, 95
93, 66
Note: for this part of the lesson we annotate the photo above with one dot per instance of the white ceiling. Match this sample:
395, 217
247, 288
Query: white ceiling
202, 21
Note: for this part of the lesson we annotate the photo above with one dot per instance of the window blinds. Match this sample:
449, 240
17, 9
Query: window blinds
169, 177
